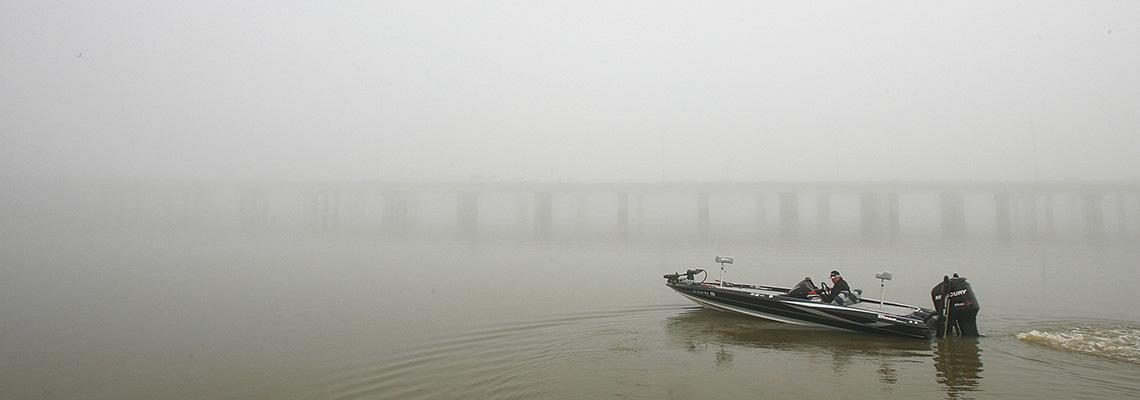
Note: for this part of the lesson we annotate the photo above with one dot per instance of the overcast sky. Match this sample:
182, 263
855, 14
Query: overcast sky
570, 90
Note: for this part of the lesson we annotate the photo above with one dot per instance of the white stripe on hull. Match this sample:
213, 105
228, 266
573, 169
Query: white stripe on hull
754, 313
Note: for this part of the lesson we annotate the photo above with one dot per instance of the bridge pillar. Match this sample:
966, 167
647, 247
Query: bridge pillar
356, 211
623, 214
524, 206
1094, 216
823, 215
1028, 213
703, 215
761, 215
953, 216
871, 212
1002, 213
322, 210
199, 209
894, 225
253, 209
789, 216
331, 206
639, 216
1121, 217
580, 215
1136, 219
1050, 221
543, 214
467, 214
394, 214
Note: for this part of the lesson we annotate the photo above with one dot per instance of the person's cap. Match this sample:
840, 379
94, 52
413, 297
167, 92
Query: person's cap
835, 273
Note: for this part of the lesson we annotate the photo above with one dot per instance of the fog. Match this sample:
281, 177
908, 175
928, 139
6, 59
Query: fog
582, 91
434, 199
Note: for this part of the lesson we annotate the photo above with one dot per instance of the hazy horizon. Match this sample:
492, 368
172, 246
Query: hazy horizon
581, 91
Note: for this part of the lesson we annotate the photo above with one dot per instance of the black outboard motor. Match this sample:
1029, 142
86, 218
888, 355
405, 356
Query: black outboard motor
804, 289
955, 299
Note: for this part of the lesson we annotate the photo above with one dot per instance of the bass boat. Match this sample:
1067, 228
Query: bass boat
802, 305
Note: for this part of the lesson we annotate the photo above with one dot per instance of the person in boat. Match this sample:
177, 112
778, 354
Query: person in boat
962, 303
839, 290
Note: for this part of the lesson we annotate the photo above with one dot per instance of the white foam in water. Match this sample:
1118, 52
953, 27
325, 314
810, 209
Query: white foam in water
1115, 342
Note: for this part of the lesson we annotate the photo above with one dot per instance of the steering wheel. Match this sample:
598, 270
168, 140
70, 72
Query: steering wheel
823, 288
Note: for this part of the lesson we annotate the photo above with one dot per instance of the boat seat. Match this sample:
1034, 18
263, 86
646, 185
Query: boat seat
846, 298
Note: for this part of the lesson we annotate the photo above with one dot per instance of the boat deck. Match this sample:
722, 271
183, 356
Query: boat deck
868, 304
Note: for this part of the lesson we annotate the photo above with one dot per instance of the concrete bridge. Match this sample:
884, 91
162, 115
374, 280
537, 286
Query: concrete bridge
872, 211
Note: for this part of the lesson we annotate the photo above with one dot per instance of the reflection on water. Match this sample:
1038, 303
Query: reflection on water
695, 326
697, 329
723, 357
959, 365
888, 374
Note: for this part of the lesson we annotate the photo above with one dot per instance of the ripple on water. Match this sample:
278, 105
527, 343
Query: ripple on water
503, 360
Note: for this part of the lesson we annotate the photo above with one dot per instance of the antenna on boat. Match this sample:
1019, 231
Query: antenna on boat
723, 260
883, 278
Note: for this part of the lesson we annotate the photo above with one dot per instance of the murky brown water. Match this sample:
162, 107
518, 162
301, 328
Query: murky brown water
115, 314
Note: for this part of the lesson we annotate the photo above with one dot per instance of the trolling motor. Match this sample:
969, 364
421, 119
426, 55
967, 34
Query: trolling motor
689, 275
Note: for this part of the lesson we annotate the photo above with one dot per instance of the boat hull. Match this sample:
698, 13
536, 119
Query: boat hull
769, 303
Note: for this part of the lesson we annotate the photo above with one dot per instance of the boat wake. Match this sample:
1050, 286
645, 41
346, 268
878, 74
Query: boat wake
1117, 342
523, 358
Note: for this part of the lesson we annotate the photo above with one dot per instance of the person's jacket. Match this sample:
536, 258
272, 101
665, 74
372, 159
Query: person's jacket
840, 286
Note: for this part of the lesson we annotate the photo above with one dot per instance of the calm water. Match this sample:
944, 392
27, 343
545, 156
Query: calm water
110, 314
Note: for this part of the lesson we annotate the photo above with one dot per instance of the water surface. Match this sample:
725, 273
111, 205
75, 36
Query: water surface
225, 314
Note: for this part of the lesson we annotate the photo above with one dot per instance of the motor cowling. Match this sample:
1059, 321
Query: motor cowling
961, 294
803, 289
